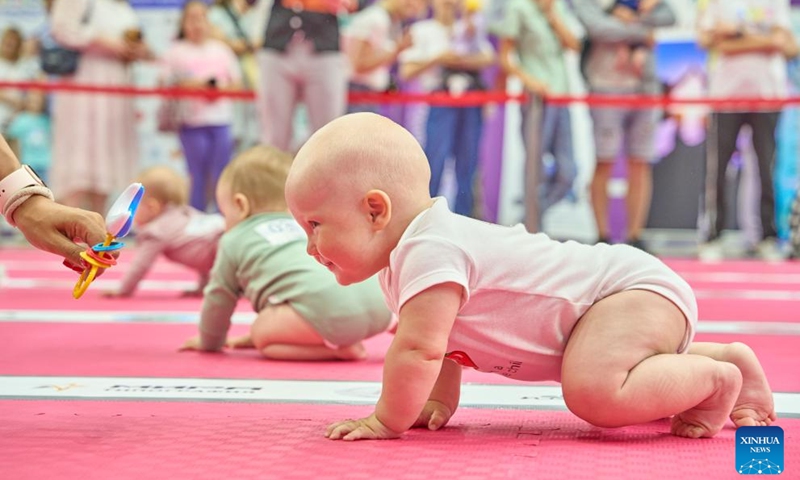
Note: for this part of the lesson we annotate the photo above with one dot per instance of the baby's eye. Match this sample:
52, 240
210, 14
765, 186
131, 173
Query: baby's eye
313, 225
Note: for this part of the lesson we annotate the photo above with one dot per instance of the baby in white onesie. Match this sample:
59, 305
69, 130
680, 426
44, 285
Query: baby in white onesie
613, 324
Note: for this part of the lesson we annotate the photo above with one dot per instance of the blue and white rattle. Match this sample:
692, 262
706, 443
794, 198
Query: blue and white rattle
118, 223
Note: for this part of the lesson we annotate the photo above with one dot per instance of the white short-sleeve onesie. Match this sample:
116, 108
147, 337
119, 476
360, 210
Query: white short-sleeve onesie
523, 292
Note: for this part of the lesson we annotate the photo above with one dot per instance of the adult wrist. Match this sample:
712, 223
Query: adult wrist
17, 187
27, 212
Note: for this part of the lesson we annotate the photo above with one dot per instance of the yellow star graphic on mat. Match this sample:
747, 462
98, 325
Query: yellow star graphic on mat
60, 388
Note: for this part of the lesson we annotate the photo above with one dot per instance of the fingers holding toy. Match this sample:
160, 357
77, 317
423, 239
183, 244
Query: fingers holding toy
369, 428
54, 228
102, 253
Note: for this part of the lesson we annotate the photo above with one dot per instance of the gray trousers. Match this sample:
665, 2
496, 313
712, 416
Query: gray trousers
300, 74
546, 129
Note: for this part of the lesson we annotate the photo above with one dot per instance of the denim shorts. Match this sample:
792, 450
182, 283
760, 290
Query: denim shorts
624, 130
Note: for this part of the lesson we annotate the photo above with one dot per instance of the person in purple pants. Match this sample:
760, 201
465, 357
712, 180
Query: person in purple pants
195, 60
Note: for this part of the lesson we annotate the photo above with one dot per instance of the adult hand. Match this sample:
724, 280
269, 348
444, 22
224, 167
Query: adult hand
647, 6
139, 51
448, 59
405, 42
779, 38
117, 47
535, 86
726, 30
56, 228
624, 14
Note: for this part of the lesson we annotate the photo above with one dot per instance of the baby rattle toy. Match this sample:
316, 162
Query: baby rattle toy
118, 223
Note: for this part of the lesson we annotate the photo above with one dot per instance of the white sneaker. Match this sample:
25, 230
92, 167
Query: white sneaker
769, 250
712, 251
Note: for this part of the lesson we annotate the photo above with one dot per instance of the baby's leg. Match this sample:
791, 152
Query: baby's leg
755, 405
620, 368
280, 333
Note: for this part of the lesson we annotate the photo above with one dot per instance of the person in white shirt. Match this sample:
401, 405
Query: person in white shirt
373, 40
198, 61
612, 323
748, 43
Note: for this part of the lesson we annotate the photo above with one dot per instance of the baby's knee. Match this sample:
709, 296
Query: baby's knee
260, 334
595, 404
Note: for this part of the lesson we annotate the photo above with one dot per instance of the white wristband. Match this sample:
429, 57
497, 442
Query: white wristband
19, 197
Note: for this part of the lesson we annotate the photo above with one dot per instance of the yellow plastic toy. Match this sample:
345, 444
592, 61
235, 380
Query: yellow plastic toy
118, 223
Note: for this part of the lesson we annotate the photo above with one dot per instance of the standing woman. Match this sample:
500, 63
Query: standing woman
233, 22
95, 150
198, 61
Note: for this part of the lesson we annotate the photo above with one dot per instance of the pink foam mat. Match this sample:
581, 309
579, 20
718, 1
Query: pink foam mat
115, 273
744, 266
16, 255
25, 254
730, 309
149, 350
155, 440
749, 310
680, 264
93, 300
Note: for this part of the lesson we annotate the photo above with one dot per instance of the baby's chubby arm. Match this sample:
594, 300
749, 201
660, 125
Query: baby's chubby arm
147, 252
219, 302
443, 402
412, 366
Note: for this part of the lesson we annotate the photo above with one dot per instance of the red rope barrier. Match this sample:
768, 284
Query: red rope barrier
436, 98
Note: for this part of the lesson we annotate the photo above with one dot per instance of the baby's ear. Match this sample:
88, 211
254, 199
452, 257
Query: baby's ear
379, 208
242, 205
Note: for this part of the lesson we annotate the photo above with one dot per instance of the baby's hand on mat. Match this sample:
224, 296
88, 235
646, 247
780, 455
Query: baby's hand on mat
434, 416
240, 342
369, 428
114, 294
191, 344
197, 292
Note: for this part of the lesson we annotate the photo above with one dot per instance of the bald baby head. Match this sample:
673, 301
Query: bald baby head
355, 187
361, 152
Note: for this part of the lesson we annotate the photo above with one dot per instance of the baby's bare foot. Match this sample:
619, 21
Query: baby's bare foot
352, 352
708, 418
755, 405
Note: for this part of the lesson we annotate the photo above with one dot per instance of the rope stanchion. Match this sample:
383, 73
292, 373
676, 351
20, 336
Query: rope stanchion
166, 92
466, 99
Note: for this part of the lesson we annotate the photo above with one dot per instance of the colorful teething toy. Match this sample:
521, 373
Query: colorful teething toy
118, 223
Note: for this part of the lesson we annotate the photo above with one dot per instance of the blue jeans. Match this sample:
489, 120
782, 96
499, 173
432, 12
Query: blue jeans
207, 150
362, 107
457, 132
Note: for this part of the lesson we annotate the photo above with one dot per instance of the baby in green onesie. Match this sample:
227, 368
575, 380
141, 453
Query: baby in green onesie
303, 313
